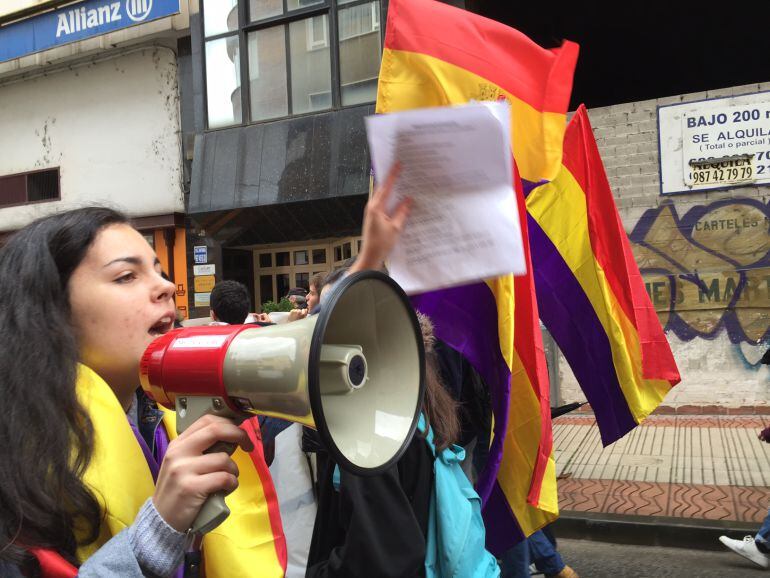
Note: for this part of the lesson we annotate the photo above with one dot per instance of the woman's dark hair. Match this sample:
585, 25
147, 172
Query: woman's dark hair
47, 437
441, 410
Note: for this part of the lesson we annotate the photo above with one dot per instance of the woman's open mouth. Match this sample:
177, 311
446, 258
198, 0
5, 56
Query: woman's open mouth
163, 326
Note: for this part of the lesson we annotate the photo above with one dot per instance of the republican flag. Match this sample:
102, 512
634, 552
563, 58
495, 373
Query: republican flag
437, 55
590, 293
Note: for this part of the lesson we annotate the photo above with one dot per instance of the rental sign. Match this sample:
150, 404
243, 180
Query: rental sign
77, 22
715, 144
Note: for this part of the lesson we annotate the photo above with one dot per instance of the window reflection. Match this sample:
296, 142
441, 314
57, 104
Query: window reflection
267, 73
300, 257
319, 256
219, 16
223, 82
310, 66
360, 52
266, 288
282, 259
259, 9
302, 280
282, 284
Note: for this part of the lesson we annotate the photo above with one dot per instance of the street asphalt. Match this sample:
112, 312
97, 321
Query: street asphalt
606, 560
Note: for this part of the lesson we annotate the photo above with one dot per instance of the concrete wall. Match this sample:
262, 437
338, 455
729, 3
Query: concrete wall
718, 329
111, 125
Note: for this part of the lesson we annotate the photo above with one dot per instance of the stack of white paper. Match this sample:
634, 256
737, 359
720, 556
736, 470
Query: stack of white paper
456, 165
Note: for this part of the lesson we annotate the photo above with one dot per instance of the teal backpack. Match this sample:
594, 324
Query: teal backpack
455, 544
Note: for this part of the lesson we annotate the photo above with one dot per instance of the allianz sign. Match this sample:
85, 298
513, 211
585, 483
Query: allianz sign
77, 22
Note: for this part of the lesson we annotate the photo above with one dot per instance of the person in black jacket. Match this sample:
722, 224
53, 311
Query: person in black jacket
376, 526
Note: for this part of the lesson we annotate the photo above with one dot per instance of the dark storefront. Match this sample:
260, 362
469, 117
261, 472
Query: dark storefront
280, 172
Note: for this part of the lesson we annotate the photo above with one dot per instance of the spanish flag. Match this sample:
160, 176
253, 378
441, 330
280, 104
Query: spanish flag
591, 295
437, 55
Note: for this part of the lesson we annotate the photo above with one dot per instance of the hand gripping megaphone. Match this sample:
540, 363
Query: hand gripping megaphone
354, 372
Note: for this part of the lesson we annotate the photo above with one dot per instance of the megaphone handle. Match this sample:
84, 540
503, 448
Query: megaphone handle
214, 510
189, 408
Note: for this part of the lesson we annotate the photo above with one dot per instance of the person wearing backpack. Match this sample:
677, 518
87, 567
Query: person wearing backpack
420, 518
396, 524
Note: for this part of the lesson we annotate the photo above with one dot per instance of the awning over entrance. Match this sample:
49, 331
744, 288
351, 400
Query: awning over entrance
288, 180
314, 157
286, 222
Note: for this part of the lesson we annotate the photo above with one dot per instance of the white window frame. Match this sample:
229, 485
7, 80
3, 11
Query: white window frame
314, 43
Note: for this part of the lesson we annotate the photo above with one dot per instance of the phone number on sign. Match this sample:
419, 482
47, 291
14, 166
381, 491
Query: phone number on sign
708, 175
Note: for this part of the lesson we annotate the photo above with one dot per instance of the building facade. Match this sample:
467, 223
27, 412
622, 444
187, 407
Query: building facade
90, 114
280, 173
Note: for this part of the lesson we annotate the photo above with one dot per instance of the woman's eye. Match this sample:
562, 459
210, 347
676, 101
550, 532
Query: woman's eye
128, 277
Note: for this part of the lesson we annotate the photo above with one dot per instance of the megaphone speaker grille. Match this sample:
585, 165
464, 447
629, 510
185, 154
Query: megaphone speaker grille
368, 424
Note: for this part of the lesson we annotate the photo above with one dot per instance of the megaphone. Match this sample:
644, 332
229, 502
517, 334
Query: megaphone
355, 372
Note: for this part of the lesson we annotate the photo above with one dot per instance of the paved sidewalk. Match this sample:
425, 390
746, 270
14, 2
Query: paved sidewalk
688, 467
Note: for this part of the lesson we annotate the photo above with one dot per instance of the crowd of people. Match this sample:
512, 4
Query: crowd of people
96, 483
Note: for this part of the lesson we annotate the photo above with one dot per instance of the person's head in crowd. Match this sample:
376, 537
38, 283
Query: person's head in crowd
441, 409
230, 302
298, 296
314, 295
330, 281
83, 297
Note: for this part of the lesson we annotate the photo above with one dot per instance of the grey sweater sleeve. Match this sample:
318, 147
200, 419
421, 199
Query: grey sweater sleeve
150, 547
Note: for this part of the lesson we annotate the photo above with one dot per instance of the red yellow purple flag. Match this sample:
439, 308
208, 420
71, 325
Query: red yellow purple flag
590, 292
437, 55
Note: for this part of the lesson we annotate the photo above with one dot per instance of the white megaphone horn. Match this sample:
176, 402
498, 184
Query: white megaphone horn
355, 372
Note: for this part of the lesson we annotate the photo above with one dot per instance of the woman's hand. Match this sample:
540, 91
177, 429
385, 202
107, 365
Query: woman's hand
380, 230
187, 475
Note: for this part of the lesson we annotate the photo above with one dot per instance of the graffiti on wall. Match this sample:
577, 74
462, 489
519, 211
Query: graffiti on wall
709, 269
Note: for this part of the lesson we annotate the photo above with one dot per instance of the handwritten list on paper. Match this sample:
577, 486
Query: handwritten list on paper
456, 165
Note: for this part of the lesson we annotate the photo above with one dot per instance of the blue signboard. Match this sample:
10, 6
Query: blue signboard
77, 22
201, 254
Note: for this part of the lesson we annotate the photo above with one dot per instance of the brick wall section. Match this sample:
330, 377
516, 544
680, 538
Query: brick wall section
627, 135
715, 372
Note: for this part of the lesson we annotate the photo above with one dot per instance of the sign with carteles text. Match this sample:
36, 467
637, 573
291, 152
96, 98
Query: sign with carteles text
77, 22
714, 144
